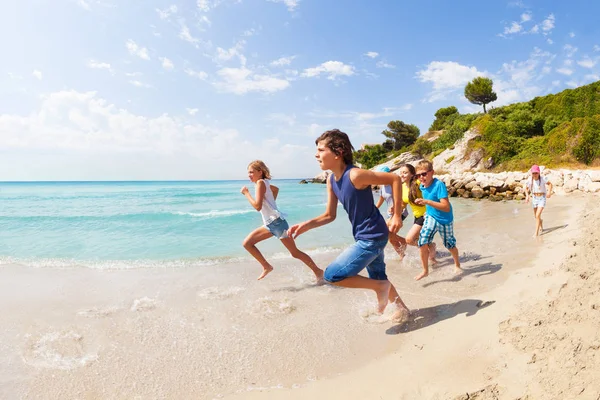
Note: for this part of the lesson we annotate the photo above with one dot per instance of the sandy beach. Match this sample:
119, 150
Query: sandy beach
520, 321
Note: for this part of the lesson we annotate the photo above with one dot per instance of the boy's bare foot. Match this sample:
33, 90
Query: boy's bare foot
432, 251
265, 272
400, 315
382, 295
458, 269
421, 275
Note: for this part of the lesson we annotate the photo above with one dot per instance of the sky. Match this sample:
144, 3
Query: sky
196, 89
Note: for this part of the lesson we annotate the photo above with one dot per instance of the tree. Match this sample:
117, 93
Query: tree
441, 117
370, 156
479, 91
400, 134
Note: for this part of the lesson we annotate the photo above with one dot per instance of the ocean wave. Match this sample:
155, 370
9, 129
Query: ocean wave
126, 216
214, 213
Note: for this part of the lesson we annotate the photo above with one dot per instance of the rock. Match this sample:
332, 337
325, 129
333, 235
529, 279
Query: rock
322, 177
492, 190
451, 191
571, 185
466, 194
593, 187
303, 181
584, 181
594, 176
477, 192
455, 159
519, 197
461, 192
489, 163
471, 185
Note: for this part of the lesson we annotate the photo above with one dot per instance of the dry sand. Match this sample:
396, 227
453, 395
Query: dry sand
521, 321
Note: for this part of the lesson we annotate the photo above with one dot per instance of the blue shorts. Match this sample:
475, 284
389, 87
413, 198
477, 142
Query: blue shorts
538, 201
278, 228
362, 254
431, 226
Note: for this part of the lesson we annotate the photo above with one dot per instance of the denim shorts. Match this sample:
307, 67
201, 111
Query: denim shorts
431, 226
362, 254
279, 228
538, 201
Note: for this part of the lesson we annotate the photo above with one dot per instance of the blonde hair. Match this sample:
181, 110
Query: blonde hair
424, 164
258, 165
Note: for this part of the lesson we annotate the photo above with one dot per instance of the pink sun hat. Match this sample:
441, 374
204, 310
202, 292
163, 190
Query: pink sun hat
535, 168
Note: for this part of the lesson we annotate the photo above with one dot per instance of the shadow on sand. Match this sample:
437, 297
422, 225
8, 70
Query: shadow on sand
424, 317
477, 271
554, 228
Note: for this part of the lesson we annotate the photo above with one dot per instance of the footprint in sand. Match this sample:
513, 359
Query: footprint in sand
220, 293
269, 307
98, 312
64, 350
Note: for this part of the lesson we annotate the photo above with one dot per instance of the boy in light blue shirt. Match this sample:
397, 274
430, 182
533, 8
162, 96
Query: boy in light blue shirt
439, 216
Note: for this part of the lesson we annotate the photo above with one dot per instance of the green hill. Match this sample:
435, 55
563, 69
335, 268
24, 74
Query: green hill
560, 129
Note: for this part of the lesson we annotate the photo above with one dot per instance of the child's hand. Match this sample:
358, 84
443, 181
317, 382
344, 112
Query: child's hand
390, 210
420, 201
244, 190
394, 223
296, 230
527, 200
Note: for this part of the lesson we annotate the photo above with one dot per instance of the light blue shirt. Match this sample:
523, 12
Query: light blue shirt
435, 192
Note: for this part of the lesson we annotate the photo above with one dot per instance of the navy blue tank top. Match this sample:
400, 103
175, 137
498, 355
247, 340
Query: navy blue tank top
367, 222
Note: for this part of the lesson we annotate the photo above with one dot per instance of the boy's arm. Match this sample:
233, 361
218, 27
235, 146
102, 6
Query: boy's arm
440, 192
362, 178
261, 188
323, 219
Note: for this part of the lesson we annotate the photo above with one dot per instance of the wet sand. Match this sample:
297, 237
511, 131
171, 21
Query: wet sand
215, 332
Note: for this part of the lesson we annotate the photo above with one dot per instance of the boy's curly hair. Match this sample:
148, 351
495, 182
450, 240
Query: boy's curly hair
339, 143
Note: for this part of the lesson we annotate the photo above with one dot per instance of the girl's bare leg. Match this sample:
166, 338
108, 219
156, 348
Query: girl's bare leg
258, 235
290, 244
412, 237
537, 213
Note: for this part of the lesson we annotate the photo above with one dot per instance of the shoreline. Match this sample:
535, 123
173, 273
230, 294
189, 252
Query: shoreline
111, 308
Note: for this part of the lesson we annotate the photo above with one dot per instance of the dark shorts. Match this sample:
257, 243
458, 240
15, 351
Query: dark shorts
419, 221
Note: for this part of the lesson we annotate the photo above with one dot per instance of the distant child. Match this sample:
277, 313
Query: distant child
411, 191
398, 242
438, 217
352, 187
535, 188
273, 219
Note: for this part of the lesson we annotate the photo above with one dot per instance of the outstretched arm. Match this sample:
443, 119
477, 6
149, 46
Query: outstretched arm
259, 194
323, 219
442, 205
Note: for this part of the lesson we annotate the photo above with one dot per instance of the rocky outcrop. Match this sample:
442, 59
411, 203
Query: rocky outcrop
321, 178
458, 158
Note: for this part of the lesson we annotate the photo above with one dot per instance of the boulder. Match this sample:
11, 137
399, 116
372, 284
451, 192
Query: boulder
571, 185
322, 177
594, 175
593, 187
584, 181
477, 192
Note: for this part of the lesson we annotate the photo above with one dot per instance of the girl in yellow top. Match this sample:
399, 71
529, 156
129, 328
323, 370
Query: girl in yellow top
410, 192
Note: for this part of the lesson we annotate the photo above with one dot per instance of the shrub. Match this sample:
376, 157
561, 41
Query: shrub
422, 147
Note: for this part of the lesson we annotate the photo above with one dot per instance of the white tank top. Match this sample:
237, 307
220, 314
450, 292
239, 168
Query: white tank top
269, 209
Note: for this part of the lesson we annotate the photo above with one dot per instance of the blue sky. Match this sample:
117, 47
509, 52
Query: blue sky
196, 89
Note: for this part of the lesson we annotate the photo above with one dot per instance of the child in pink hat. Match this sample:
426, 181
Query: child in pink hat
535, 189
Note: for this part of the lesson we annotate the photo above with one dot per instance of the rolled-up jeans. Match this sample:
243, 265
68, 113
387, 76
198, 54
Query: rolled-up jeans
362, 254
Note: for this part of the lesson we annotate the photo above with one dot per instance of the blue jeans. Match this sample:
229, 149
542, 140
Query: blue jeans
362, 254
279, 228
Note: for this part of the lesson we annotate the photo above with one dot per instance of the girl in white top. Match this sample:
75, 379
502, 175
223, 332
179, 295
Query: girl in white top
535, 189
273, 220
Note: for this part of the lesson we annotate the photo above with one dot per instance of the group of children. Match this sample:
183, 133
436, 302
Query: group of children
351, 186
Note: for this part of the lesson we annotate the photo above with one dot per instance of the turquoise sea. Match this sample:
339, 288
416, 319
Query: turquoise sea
144, 224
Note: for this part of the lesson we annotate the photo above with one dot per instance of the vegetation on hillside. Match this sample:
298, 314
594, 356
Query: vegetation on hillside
555, 130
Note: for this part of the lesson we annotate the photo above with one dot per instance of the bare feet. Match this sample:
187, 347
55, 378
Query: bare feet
319, 277
382, 292
541, 227
432, 252
458, 269
421, 275
265, 272
401, 315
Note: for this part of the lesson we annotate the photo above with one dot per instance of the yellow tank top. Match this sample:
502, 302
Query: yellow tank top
418, 211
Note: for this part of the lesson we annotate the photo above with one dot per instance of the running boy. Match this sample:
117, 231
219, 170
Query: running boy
439, 216
352, 187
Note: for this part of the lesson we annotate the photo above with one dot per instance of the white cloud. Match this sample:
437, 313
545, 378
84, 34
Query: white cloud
283, 61
196, 74
167, 12
291, 4
93, 64
289, 120
140, 84
72, 135
203, 5
332, 69
592, 77
587, 62
192, 111
371, 54
548, 24
166, 63
535, 29
565, 71
384, 64
445, 75
526, 17
556, 83
596, 47
235, 51
37, 74
515, 27
185, 35
570, 50
573, 83
242, 80
571, 34
568, 62
550, 41
136, 50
